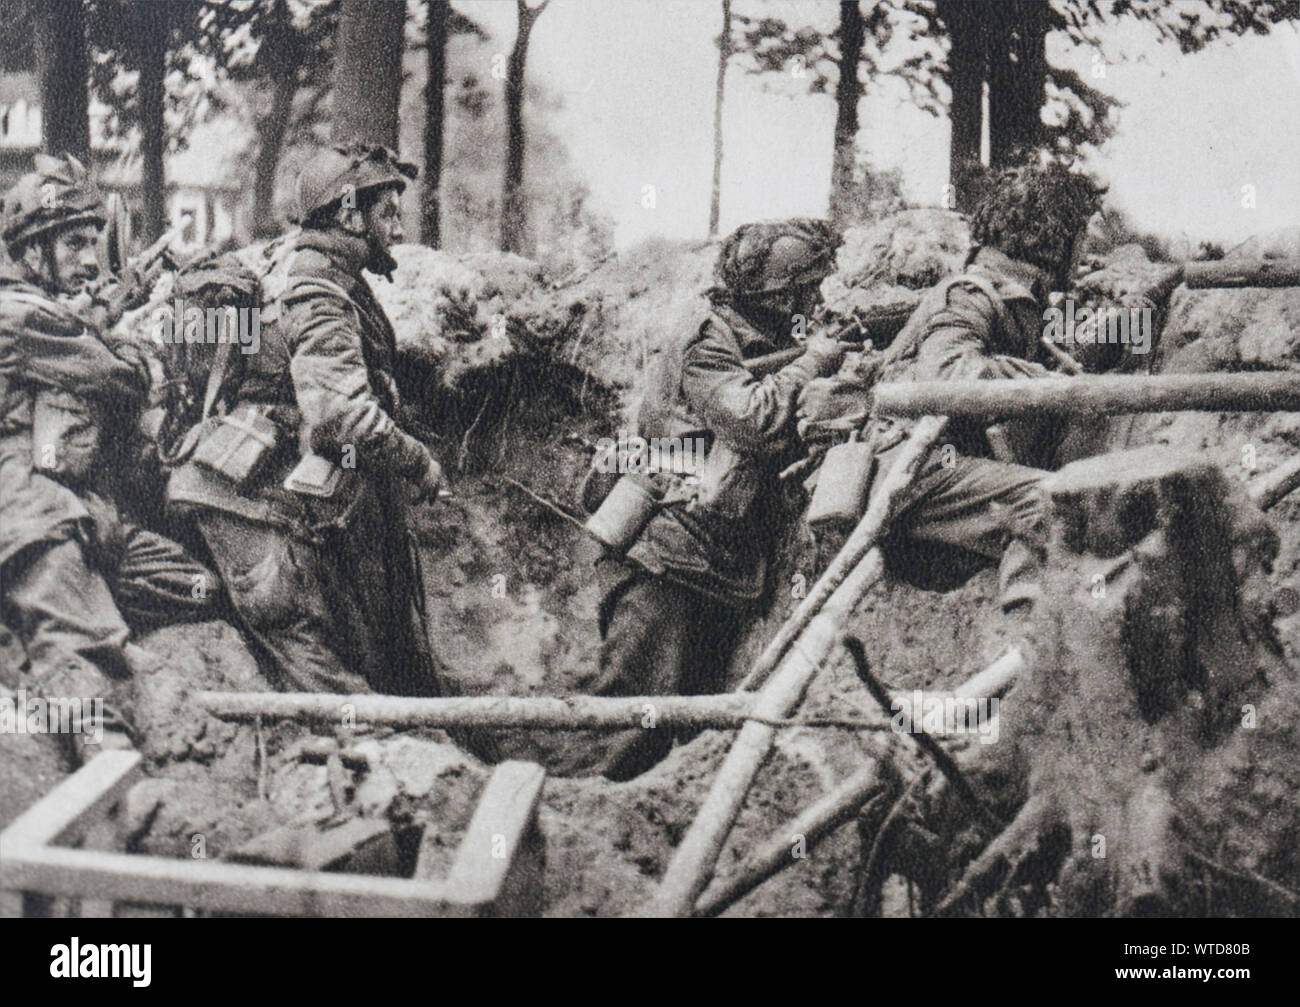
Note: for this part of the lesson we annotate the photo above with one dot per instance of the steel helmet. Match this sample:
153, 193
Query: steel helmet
58, 193
770, 256
337, 171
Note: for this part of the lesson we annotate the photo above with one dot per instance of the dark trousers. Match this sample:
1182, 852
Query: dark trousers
331, 616
73, 603
989, 510
343, 614
659, 639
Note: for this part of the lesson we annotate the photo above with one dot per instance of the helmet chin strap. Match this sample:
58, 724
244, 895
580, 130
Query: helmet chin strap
46, 275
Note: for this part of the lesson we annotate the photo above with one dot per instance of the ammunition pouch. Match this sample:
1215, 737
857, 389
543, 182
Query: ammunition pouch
238, 444
65, 437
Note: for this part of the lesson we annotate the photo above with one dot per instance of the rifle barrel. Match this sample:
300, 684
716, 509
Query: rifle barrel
880, 325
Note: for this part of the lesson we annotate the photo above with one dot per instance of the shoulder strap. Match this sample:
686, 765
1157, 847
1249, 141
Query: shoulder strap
217, 377
985, 286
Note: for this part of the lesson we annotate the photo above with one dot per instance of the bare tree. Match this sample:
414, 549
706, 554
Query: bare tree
64, 73
436, 54
724, 54
514, 221
368, 71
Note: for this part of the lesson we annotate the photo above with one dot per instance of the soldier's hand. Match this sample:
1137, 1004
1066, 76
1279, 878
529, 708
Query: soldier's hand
829, 405
426, 490
825, 353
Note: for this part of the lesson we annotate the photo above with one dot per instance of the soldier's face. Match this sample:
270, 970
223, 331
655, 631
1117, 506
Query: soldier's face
798, 301
73, 261
384, 221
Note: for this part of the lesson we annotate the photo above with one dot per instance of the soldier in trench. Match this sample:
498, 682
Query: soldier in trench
75, 575
676, 601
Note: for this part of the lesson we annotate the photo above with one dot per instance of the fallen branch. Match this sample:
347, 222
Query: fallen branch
841, 804
816, 822
927, 744
546, 502
572, 713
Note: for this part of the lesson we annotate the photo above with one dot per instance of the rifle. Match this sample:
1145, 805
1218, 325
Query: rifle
120, 291
879, 325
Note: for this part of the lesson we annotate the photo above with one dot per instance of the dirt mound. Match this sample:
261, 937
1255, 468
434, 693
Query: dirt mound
1237, 330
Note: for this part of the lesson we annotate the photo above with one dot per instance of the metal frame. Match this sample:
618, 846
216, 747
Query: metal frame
497, 866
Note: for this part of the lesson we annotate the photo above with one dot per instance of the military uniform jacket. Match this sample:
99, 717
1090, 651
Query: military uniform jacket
324, 375
985, 322
47, 348
718, 538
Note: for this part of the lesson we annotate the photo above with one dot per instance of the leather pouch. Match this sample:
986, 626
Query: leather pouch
315, 476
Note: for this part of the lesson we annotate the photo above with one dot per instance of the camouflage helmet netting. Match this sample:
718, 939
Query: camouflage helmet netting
57, 194
770, 256
1032, 212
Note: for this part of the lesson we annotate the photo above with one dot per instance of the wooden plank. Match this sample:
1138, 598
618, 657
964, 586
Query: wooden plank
100, 835
63, 813
236, 888
506, 811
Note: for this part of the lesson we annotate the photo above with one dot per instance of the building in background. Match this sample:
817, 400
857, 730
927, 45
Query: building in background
207, 182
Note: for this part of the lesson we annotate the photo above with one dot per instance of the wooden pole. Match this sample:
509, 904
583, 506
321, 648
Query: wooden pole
693, 862
817, 821
1092, 395
569, 713
817, 626
1242, 273
841, 804
854, 551
1276, 484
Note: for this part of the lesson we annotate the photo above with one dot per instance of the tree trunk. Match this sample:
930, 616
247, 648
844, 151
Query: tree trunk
270, 142
1017, 79
847, 92
724, 54
436, 53
63, 71
966, 67
368, 71
154, 25
280, 57
513, 217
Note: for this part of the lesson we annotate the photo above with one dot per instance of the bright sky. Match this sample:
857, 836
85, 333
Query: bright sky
638, 79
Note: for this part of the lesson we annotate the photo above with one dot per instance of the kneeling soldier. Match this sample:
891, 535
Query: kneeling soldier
73, 573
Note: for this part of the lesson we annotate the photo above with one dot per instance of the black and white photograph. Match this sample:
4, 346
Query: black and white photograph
650, 458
